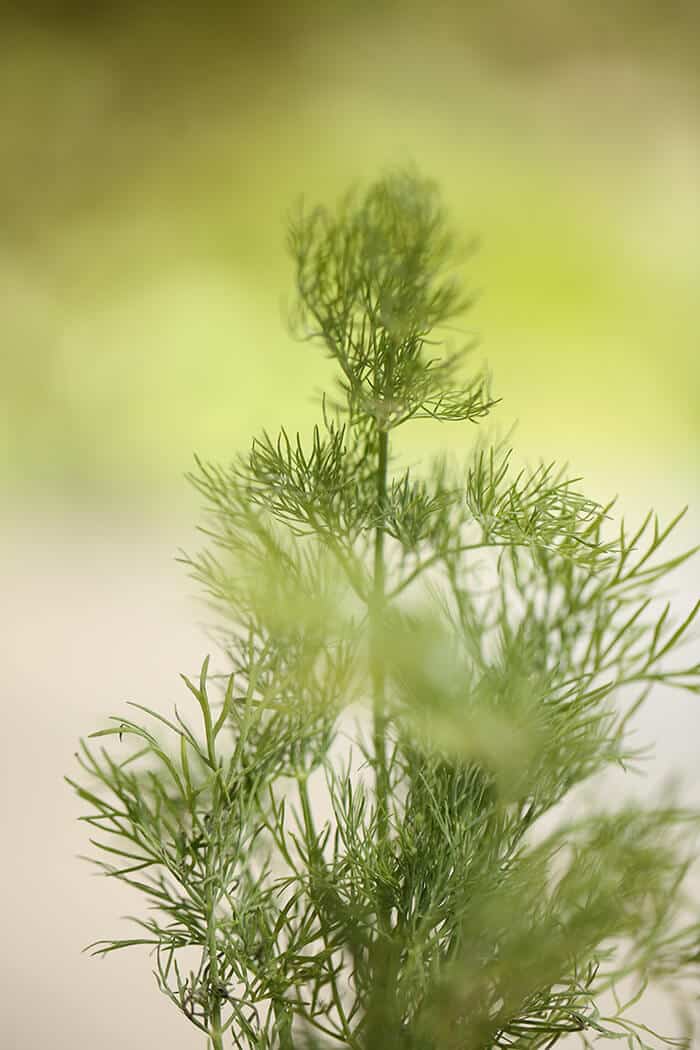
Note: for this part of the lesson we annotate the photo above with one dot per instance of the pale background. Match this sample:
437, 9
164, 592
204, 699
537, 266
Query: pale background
146, 166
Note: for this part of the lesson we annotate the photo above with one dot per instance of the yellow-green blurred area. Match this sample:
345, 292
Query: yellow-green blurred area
149, 156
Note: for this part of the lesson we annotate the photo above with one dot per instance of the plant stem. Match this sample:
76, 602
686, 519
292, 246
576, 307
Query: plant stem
216, 1036
215, 1010
377, 658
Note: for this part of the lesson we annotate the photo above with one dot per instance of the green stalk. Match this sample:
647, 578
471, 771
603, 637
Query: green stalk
378, 672
216, 1035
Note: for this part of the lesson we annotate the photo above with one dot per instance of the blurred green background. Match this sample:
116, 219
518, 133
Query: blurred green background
149, 155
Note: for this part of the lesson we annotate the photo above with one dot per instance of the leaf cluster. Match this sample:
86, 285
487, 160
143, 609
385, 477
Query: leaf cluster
375, 281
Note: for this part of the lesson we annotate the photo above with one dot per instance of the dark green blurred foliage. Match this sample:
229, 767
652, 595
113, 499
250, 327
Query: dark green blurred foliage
351, 849
543, 31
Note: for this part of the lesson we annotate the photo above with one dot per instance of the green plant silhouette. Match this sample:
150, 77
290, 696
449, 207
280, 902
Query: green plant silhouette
347, 848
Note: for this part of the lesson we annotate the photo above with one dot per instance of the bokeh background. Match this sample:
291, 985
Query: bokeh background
148, 157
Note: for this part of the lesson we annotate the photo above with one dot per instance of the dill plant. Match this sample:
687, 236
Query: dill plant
338, 839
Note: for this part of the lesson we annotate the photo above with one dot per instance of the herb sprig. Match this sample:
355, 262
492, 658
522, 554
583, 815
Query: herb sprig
340, 847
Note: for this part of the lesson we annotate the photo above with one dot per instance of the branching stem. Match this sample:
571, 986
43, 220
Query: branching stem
378, 671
